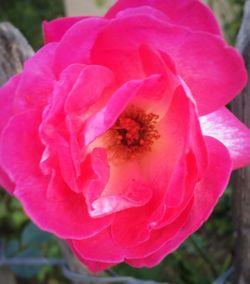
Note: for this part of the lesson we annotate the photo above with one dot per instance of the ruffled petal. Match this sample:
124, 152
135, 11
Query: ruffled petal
80, 89
66, 212
188, 13
225, 127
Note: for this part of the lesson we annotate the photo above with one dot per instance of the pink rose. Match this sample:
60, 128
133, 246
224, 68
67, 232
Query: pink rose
115, 136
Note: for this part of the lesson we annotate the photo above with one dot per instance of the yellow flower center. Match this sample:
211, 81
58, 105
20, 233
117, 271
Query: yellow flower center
133, 134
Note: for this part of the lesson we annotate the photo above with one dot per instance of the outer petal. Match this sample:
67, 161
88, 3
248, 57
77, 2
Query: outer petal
66, 212
72, 48
206, 195
55, 29
100, 248
188, 13
37, 80
6, 183
21, 159
211, 74
94, 266
158, 238
225, 127
7, 94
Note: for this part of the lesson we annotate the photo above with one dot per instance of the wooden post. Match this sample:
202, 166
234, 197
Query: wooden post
14, 50
241, 179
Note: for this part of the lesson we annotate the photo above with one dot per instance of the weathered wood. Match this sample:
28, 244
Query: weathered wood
6, 277
14, 50
241, 179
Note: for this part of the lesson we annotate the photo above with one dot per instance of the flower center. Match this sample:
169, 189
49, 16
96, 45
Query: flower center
133, 133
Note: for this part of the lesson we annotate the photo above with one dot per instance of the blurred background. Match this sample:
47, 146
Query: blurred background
201, 259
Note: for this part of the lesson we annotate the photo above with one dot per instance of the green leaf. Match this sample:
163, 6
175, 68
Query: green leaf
12, 248
27, 271
31, 235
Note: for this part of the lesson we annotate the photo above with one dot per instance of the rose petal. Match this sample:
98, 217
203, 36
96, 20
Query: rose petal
37, 80
191, 178
7, 93
211, 71
126, 188
94, 266
100, 248
189, 13
21, 159
72, 48
55, 29
6, 183
75, 223
21, 162
225, 127
158, 238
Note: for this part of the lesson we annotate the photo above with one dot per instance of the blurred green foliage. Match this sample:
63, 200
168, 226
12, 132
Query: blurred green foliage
28, 15
229, 14
201, 259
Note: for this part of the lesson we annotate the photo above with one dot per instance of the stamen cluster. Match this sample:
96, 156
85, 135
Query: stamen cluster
133, 134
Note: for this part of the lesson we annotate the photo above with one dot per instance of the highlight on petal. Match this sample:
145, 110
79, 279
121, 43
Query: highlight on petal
225, 127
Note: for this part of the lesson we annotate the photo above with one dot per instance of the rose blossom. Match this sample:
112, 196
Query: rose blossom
115, 136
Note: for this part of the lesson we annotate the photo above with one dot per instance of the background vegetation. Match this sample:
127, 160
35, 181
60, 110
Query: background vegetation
200, 260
